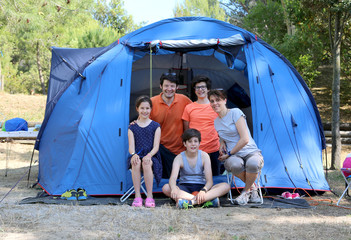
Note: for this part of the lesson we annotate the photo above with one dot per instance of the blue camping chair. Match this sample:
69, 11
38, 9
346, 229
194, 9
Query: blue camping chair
131, 190
345, 171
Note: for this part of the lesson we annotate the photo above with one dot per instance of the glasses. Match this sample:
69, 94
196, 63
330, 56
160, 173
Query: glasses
200, 87
170, 74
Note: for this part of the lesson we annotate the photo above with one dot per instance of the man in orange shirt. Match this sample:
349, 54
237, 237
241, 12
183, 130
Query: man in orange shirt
167, 110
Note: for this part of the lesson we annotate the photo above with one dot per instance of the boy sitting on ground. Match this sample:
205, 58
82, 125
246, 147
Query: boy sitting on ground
195, 175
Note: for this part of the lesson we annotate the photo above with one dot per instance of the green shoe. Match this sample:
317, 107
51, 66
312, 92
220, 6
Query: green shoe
213, 203
70, 195
82, 194
184, 204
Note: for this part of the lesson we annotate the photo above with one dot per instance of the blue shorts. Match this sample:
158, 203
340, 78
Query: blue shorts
190, 187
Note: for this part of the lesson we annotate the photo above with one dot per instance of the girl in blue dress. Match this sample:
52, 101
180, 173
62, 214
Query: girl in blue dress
144, 141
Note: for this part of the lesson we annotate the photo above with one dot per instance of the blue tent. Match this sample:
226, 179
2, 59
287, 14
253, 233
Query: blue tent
83, 139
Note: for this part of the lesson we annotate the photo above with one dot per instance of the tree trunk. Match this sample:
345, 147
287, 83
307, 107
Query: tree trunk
286, 19
40, 71
336, 140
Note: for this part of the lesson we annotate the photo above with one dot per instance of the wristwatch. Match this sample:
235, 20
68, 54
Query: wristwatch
204, 189
229, 154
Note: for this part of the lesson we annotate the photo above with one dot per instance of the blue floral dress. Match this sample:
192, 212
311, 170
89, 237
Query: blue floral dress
144, 143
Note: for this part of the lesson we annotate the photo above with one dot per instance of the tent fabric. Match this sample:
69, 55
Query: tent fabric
84, 141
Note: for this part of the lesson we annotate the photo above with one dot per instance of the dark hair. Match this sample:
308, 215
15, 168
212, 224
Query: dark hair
170, 76
190, 133
201, 78
141, 99
217, 93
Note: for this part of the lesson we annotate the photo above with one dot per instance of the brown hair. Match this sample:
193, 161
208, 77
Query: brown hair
170, 76
218, 94
190, 133
141, 99
201, 78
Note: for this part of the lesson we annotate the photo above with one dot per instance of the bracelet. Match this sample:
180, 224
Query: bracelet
204, 189
229, 154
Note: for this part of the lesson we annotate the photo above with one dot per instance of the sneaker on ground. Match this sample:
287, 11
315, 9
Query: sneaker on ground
82, 194
243, 198
213, 203
254, 197
70, 195
184, 204
295, 196
287, 195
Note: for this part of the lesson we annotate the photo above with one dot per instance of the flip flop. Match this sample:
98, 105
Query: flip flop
149, 202
137, 202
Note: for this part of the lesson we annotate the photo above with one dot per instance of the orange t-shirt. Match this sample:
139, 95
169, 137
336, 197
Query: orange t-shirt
170, 119
201, 117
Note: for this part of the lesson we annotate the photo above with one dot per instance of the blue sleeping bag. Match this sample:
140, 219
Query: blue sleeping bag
16, 124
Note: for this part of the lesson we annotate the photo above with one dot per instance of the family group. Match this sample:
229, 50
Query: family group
188, 142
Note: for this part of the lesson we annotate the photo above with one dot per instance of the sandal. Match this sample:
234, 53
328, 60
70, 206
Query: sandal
149, 202
137, 202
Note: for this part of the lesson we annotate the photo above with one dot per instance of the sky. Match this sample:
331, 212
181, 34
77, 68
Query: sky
150, 11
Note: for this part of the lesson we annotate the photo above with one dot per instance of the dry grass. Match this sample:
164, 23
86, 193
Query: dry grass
29, 107
44, 221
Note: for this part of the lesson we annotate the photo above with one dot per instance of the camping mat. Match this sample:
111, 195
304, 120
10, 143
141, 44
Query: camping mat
269, 202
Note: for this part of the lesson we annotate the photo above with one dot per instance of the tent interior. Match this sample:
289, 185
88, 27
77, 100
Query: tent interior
226, 69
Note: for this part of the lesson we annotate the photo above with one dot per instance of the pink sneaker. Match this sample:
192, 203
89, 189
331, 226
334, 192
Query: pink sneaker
287, 195
295, 196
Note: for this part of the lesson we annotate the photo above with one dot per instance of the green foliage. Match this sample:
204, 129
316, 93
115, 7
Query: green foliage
266, 20
97, 37
205, 8
29, 28
306, 67
111, 14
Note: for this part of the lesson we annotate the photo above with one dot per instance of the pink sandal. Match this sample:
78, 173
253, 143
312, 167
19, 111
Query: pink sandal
149, 202
137, 202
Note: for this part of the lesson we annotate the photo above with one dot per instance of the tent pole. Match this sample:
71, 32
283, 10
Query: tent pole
150, 71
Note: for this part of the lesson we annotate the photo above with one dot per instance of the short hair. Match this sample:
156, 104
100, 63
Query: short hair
170, 76
217, 93
201, 78
190, 133
141, 99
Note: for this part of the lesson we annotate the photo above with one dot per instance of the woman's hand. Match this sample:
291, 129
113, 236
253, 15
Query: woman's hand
222, 147
223, 157
135, 160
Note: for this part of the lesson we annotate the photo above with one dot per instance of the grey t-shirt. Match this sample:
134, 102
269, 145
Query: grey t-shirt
227, 131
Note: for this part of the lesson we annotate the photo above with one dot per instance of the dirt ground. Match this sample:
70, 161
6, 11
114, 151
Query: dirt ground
44, 221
